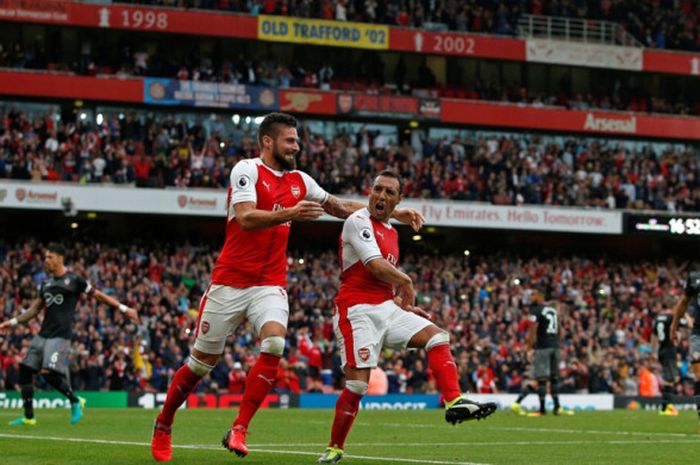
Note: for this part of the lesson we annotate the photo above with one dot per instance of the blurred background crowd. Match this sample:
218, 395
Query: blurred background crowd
149, 150
607, 306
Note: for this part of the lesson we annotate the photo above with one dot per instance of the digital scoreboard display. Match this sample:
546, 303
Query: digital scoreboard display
668, 225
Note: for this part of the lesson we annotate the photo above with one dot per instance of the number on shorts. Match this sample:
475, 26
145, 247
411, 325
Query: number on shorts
53, 360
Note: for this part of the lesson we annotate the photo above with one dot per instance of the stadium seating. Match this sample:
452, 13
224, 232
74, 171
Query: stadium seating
665, 25
608, 308
133, 148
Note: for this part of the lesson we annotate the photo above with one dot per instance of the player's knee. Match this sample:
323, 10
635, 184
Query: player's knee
443, 337
26, 375
273, 345
356, 386
198, 368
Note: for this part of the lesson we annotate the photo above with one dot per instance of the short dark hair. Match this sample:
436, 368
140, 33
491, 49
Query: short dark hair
393, 174
270, 125
56, 248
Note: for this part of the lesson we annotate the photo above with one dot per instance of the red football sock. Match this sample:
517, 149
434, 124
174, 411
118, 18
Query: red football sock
445, 370
184, 381
258, 383
345, 412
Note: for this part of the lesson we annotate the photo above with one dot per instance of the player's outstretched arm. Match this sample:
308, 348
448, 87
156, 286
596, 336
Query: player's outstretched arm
130, 313
409, 216
342, 208
250, 217
531, 335
23, 317
678, 312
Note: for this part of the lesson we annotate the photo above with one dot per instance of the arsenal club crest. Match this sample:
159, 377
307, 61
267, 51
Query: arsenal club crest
205, 327
364, 354
182, 200
20, 194
296, 191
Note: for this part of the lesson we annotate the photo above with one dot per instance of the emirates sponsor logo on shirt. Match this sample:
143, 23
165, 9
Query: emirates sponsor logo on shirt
626, 125
364, 354
296, 191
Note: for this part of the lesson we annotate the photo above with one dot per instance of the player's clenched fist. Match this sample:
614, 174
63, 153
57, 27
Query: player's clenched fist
307, 211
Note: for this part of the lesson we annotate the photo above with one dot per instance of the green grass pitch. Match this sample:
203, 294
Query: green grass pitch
121, 436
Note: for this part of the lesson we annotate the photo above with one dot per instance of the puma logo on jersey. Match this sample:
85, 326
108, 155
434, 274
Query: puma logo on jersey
380, 234
267, 380
267, 185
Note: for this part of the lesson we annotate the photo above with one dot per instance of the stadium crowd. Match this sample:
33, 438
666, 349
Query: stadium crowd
606, 306
366, 74
665, 25
159, 151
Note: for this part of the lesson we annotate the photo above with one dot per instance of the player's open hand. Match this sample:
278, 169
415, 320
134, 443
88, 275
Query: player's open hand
5, 326
418, 311
307, 211
132, 314
674, 334
405, 296
410, 216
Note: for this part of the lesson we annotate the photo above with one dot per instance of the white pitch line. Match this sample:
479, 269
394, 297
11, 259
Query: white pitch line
493, 443
540, 430
194, 446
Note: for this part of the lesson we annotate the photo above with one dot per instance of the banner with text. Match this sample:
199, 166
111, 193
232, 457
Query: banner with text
385, 402
378, 105
560, 119
322, 32
456, 44
671, 62
203, 202
53, 399
149, 400
568, 401
209, 94
583, 54
135, 18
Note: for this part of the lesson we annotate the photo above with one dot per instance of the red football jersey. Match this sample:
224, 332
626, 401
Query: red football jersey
259, 257
363, 239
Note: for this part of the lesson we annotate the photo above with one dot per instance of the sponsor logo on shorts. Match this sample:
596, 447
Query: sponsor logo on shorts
364, 354
205, 327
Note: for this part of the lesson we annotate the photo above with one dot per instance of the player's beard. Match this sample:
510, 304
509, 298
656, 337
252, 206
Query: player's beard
287, 164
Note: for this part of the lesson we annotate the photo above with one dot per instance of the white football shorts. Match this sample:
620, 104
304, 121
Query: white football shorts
364, 330
223, 308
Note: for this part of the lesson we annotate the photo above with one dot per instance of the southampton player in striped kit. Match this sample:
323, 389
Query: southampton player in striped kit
375, 309
249, 279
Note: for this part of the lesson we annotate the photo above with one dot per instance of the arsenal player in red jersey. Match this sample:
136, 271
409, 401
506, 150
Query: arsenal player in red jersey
375, 309
249, 279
